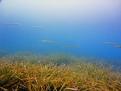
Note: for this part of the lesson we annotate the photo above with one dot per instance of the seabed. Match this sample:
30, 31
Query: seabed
56, 73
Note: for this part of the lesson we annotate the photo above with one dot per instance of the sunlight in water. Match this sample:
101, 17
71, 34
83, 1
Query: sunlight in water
65, 9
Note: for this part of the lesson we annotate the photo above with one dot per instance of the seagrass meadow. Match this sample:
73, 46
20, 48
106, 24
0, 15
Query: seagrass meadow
56, 73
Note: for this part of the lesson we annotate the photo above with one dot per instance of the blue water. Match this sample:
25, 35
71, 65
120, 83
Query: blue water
23, 32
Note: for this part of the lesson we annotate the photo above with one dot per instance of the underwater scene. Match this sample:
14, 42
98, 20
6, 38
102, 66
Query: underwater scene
60, 45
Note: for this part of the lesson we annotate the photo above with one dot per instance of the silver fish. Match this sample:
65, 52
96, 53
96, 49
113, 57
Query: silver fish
113, 44
117, 46
110, 43
11, 24
48, 41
